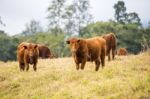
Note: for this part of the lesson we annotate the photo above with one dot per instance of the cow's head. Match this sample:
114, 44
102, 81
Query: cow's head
32, 51
74, 44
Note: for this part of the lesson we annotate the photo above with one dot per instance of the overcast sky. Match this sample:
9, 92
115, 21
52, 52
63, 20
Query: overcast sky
16, 13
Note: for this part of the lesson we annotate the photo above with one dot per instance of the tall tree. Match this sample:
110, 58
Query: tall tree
77, 16
120, 12
133, 18
70, 20
125, 18
32, 28
56, 10
81, 14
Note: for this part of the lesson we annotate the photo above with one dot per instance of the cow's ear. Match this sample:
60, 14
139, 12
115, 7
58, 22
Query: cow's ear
78, 40
68, 41
25, 47
36, 46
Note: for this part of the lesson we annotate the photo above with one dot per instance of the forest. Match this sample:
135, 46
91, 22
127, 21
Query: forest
74, 20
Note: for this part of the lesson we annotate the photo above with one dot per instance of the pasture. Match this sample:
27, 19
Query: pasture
127, 77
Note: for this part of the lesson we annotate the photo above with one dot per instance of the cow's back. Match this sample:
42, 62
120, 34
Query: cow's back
95, 45
44, 51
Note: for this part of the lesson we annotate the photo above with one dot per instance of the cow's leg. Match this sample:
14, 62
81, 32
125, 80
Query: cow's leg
26, 63
76, 62
108, 53
77, 65
102, 56
83, 64
21, 66
97, 63
43, 56
27, 67
113, 54
103, 60
34, 67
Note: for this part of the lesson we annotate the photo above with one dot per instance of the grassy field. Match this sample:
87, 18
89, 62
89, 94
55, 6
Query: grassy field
127, 77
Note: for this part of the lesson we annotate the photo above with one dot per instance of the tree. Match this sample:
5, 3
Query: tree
146, 37
8, 51
128, 35
120, 12
133, 18
126, 18
77, 16
56, 10
70, 20
81, 15
32, 28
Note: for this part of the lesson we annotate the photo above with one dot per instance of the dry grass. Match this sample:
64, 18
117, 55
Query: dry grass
127, 77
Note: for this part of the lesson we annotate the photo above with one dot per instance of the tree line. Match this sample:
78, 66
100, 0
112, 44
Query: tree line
73, 19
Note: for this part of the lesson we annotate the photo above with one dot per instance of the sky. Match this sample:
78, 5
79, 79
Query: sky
16, 13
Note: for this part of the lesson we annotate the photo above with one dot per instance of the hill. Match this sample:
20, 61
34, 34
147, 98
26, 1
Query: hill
126, 77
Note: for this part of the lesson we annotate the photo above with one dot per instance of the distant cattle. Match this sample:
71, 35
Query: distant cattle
44, 51
111, 44
92, 49
122, 51
27, 53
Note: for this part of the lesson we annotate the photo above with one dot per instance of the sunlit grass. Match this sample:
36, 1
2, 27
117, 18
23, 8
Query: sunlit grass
125, 77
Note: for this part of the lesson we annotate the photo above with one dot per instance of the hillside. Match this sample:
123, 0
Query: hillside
127, 77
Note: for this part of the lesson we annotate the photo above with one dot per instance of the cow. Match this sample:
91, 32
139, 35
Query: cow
122, 52
111, 44
92, 49
44, 51
27, 53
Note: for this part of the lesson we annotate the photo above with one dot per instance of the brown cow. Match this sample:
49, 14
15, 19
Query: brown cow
44, 51
93, 49
122, 51
27, 53
111, 44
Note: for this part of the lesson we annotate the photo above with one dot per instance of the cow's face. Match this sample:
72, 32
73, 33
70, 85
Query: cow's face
32, 49
74, 44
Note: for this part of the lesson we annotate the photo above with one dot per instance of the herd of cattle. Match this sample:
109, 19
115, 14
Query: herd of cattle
83, 50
